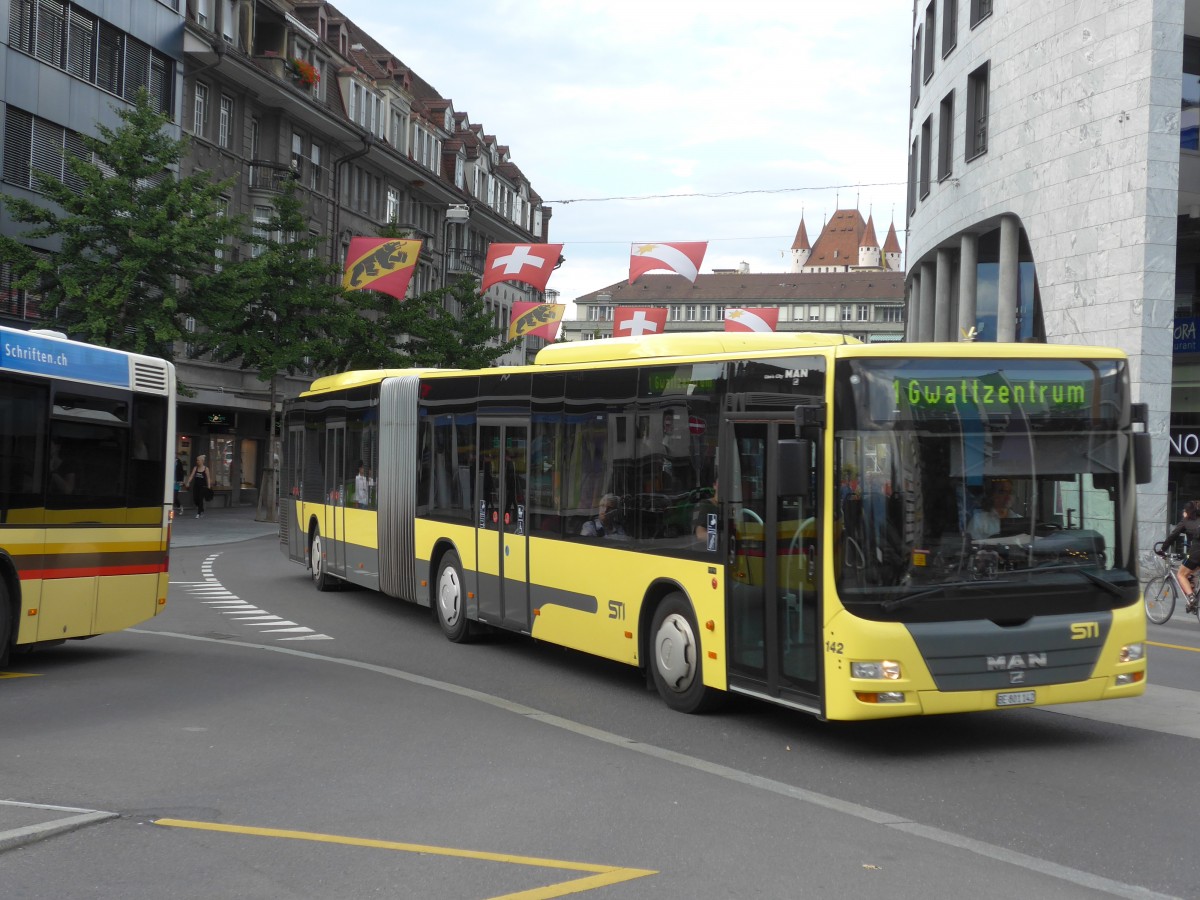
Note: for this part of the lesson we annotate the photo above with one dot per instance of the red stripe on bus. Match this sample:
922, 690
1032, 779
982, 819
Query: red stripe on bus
89, 571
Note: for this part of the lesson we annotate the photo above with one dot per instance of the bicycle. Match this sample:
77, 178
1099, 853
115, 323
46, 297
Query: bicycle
1161, 592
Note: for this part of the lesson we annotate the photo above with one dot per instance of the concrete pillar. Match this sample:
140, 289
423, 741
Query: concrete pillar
1009, 281
925, 329
912, 313
942, 314
968, 282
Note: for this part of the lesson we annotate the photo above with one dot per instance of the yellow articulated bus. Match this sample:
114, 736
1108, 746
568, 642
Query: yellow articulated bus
85, 488
856, 531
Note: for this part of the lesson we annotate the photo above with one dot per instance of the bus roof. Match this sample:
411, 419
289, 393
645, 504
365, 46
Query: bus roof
693, 345
696, 343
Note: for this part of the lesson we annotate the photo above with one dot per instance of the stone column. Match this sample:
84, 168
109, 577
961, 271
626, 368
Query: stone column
1006, 299
941, 315
968, 282
925, 330
913, 312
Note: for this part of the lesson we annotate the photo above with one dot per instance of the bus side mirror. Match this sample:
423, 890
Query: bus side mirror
1141, 457
795, 468
1140, 417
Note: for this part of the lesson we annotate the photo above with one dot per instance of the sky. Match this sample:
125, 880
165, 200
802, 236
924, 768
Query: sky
664, 120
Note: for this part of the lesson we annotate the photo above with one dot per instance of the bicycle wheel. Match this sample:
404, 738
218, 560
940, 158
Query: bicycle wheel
1160, 596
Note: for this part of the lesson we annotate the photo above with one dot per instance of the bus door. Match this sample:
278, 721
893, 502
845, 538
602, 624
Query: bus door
290, 495
502, 542
335, 496
772, 605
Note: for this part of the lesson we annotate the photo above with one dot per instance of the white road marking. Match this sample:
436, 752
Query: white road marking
217, 597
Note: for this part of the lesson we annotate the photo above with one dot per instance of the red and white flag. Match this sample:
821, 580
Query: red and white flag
761, 319
636, 321
528, 263
681, 258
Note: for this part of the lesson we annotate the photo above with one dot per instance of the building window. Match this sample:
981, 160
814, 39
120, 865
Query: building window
980, 10
946, 137
891, 314
864, 312
814, 313
199, 109
225, 125
977, 112
691, 312
298, 155
262, 218
706, 313
915, 80
392, 212
847, 313
949, 26
930, 32
912, 175
926, 140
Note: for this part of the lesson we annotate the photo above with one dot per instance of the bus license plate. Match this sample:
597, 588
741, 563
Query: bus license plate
1015, 698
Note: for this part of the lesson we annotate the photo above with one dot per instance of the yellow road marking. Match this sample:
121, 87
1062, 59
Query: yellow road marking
20, 674
1173, 646
602, 877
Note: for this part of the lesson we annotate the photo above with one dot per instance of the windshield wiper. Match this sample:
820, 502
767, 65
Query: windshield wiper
897, 602
1107, 585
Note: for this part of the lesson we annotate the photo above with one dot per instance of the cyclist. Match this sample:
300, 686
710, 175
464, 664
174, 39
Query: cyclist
1189, 525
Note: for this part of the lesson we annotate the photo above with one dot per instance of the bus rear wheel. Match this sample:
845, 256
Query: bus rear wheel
450, 600
675, 657
321, 578
6, 623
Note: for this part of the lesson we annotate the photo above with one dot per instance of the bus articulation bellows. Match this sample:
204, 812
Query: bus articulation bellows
85, 488
801, 518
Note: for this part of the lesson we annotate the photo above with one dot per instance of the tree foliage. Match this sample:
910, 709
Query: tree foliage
132, 244
281, 308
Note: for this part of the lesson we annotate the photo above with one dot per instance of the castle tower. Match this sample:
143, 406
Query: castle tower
868, 248
801, 248
891, 250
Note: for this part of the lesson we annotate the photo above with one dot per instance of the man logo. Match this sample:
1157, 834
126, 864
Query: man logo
1081, 631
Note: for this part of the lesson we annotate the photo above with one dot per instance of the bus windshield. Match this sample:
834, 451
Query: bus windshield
983, 488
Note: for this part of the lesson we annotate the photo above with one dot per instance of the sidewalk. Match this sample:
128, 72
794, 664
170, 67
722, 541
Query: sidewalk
219, 526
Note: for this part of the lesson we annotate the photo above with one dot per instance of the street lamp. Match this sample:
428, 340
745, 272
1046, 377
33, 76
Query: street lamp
456, 214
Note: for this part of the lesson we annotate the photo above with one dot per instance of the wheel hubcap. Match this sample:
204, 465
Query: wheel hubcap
449, 596
675, 652
317, 557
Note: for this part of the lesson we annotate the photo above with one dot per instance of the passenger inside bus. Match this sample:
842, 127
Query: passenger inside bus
607, 522
995, 506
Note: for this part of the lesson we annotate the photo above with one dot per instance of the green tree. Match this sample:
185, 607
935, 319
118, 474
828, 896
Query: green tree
281, 311
134, 243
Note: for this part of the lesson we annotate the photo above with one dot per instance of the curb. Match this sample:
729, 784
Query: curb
19, 837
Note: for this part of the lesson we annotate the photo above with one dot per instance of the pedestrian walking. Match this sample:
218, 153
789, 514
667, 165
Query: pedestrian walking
198, 482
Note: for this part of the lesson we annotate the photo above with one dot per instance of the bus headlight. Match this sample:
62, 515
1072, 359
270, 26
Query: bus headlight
1132, 653
877, 671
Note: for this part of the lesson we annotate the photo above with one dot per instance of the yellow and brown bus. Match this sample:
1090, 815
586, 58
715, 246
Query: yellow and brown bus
85, 488
801, 518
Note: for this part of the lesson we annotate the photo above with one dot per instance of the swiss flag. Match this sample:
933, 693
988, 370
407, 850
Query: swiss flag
760, 319
681, 258
529, 263
636, 321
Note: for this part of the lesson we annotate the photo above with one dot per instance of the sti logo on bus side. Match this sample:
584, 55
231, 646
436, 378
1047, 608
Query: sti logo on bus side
1081, 631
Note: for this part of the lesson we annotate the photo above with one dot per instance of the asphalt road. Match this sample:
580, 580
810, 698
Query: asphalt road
263, 740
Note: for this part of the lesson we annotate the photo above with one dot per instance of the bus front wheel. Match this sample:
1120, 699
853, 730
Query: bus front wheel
321, 578
451, 600
675, 658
